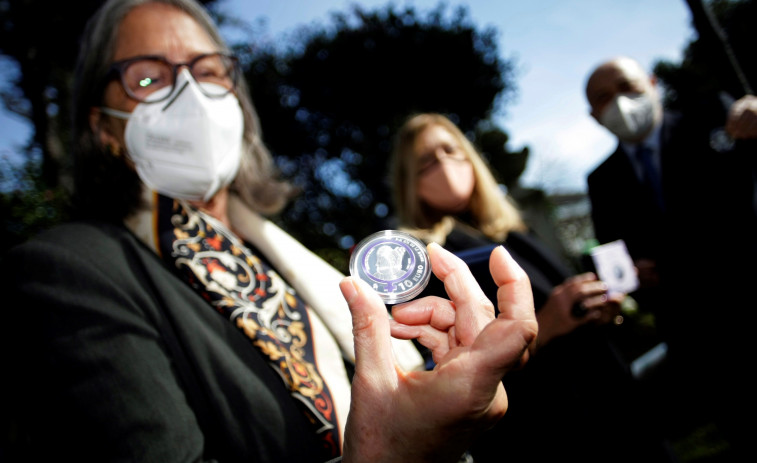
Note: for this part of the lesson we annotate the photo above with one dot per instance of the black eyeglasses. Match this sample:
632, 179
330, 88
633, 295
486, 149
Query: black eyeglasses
142, 76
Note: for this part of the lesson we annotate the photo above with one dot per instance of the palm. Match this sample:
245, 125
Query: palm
431, 415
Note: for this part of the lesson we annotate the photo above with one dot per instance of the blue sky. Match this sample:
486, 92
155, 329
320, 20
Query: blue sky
554, 44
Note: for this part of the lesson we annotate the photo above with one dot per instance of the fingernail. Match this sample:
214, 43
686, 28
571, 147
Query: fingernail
349, 290
507, 253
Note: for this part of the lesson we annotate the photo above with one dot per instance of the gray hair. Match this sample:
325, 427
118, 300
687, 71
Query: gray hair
104, 184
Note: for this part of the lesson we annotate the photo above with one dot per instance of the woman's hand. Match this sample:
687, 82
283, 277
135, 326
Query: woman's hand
432, 416
558, 317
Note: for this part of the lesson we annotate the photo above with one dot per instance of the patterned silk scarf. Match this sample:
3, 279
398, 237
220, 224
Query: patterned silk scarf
231, 276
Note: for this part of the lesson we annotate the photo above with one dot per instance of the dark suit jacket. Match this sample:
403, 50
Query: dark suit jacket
706, 246
621, 207
109, 356
709, 219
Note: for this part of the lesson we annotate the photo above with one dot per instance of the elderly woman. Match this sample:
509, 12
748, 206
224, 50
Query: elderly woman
172, 322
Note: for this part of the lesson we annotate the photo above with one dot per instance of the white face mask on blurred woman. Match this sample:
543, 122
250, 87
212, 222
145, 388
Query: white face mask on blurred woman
188, 146
445, 179
630, 116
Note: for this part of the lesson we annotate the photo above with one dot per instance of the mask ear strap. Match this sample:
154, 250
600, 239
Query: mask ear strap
115, 113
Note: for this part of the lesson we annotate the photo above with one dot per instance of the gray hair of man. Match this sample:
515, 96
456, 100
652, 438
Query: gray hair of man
105, 184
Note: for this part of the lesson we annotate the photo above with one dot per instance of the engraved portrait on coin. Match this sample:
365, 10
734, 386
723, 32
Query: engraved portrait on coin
394, 263
389, 262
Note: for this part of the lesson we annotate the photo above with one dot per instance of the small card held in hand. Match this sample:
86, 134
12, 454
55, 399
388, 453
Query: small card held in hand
615, 267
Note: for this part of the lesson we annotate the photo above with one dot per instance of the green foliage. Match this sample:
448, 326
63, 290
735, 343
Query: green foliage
30, 206
705, 444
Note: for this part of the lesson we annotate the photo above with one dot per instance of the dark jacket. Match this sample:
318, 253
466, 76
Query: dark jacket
113, 358
709, 223
706, 246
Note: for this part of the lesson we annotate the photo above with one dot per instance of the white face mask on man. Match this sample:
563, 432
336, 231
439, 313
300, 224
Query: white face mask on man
188, 146
630, 116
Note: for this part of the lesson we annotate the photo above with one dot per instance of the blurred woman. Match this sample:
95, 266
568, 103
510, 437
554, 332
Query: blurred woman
444, 192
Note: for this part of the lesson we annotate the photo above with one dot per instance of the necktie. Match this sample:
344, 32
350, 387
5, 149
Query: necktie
650, 173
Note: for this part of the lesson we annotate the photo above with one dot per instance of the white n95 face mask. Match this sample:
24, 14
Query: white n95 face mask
629, 116
188, 146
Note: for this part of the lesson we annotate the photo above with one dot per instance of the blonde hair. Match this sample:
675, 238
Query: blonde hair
493, 212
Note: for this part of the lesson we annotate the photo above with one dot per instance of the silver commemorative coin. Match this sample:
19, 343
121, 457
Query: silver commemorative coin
394, 263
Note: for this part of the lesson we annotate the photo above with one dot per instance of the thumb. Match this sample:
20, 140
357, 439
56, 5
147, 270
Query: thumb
370, 327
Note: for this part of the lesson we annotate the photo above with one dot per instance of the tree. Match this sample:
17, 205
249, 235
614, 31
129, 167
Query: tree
330, 107
43, 45
706, 69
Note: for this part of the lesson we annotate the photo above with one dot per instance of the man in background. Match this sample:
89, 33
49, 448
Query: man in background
685, 207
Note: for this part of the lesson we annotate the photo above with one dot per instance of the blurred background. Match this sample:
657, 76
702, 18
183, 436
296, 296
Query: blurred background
332, 80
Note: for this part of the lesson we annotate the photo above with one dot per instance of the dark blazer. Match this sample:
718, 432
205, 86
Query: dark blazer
706, 246
709, 200
621, 207
708, 196
109, 356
